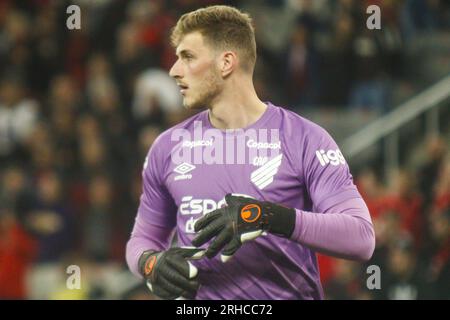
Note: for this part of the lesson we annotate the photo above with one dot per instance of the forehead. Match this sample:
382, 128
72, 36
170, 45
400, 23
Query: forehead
193, 42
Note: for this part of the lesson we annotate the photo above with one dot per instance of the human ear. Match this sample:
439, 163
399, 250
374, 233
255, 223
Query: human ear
228, 63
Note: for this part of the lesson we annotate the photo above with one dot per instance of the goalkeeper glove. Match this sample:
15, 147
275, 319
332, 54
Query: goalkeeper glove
241, 220
169, 274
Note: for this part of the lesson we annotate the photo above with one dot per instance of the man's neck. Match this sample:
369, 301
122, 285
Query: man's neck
237, 107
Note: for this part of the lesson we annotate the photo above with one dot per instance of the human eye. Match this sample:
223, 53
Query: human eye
188, 57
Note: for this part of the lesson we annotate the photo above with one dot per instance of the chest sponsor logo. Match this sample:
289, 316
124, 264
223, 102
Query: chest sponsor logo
197, 143
263, 145
231, 146
191, 207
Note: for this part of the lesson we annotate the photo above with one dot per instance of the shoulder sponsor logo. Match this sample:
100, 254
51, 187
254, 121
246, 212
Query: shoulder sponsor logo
183, 169
333, 157
263, 176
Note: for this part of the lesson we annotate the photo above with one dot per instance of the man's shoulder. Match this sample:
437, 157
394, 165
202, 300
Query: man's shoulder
299, 125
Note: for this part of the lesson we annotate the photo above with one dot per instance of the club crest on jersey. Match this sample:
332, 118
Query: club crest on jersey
263, 176
183, 169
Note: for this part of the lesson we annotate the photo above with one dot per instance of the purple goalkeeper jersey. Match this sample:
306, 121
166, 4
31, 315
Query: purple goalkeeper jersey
282, 158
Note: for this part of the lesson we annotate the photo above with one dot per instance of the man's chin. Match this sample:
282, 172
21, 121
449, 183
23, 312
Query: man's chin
192, 105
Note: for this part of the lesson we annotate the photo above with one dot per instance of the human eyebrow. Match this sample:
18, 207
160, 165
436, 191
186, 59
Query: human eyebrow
185, 54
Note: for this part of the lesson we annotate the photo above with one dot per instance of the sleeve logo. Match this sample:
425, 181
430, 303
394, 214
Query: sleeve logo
333, 157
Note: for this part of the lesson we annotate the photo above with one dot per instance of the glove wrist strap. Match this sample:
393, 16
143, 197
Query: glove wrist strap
280, 220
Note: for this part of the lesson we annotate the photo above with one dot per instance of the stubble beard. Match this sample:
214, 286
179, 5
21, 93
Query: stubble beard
209, 89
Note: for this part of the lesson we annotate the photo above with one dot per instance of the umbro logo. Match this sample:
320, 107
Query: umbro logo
183, 169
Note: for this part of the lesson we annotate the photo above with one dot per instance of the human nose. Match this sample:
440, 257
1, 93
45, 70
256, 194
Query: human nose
175, 71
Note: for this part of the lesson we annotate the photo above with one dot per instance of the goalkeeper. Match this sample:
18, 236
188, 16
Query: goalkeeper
247, 228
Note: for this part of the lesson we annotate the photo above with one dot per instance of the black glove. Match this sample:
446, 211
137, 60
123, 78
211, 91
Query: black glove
241, 220
169, 274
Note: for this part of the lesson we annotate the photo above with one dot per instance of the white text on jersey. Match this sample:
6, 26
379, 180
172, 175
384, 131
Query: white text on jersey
333, 157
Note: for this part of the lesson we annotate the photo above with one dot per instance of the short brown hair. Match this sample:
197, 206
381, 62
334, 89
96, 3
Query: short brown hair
223, 27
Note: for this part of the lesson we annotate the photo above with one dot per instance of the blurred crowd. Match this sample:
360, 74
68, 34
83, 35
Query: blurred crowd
411, 216
80, 108
322, 52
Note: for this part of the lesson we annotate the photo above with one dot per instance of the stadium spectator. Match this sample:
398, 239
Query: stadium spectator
49, 219
98, 231
18, 116
17, 252
402, 279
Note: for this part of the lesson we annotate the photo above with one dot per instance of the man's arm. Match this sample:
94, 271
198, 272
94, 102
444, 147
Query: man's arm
167, 270
145, 236
340, 224
344, 230
156, 216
